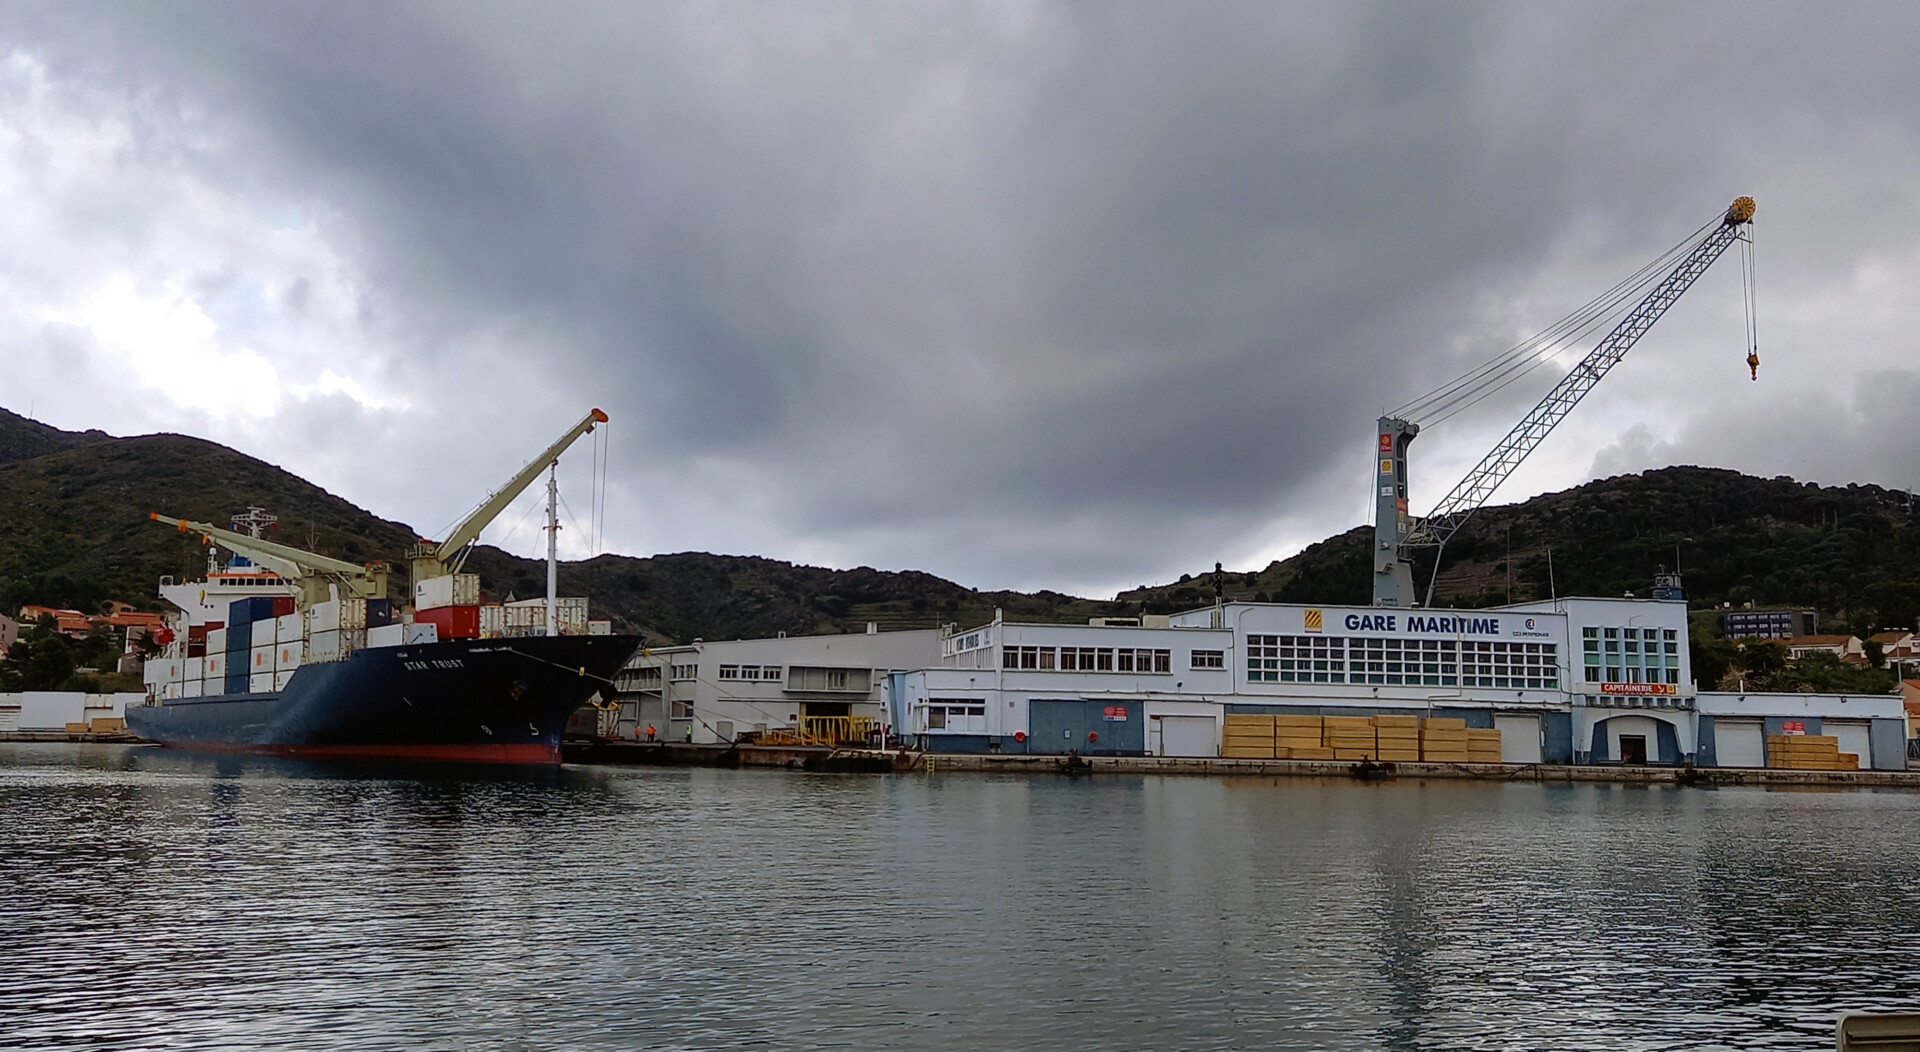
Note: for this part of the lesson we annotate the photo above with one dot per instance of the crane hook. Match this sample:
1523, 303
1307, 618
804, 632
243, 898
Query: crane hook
1753, 363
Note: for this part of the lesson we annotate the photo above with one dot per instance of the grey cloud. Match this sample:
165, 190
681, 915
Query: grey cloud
934, 275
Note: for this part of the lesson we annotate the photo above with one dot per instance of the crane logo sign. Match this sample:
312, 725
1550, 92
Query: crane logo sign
1315, 620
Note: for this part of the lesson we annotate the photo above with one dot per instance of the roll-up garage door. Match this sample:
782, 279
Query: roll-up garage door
1739, 743
1854, 738
1519, 738
1188, 736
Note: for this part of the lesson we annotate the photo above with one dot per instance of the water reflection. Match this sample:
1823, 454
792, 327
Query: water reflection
155, 898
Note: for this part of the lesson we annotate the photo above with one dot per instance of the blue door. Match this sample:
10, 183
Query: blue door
1094, 728
1056, 726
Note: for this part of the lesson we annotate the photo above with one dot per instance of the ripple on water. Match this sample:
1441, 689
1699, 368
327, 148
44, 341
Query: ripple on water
156, 899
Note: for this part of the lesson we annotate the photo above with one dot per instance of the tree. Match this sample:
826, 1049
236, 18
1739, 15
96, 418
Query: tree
1822, 672
41, 659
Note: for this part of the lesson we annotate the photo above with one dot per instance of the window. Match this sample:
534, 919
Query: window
683, 710
957, 715
729, 671
684, 672
1263, 659
802, 677
1207, 659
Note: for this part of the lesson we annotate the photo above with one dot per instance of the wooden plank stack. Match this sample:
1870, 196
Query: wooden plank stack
1398, 738
1247, 736
1483, 745
1300, 738
1351, 737
1444, 740
1809, 752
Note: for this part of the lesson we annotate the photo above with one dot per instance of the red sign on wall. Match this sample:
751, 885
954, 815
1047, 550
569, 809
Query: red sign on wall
1639, 688
1793, 726
1114, 714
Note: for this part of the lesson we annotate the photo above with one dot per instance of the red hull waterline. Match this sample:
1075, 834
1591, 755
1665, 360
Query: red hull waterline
520, 754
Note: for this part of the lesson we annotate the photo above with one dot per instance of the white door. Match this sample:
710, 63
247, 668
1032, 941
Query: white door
1854, 738
1739, 743
1519, 738
1188, 736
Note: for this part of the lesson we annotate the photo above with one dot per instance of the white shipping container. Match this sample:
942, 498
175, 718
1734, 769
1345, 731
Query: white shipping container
161, 671
281, 678
216, 641
352, 639
193, 668
288, 656
568, 611
324, 646
262, 660
265, 634
353, 612
422, 632
290, 627
260, 682
458, 589
493, 621
216, 665
323, 617
193, 688
387, 636
599, 628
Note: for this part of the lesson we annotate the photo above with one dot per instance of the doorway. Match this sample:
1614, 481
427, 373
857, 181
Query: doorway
1633, 749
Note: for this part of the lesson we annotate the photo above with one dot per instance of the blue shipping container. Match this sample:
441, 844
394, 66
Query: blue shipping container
247, 611
379, 613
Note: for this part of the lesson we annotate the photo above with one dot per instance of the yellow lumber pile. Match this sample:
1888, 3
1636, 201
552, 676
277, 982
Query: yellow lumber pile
1443, 739
1247, 736
1483, 745
1397, 738
1350, 737
1809, 752
1297, 737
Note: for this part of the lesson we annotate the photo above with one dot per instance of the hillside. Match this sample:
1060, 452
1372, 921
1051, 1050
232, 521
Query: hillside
1851, 552
76, 533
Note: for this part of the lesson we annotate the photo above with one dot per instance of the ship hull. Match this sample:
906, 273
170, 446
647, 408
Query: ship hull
472, 700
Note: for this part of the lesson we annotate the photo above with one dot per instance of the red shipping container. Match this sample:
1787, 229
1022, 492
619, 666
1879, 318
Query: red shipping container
452, 622
282, 605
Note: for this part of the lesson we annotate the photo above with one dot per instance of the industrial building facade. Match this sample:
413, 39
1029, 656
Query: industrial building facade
1578, 680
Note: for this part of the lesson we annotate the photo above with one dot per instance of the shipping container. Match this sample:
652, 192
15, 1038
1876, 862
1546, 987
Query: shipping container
260, 682
600, 628
323, 617
419, 632
193, 668
265, 634
289, 627
216, 667
386, 635
283, 605
379, 612
217, 641
288, 656
236, 679
281, 677
353, 612
192, 688
247, 611
323, 646
451, 622
261, 660
457, 589
493, 621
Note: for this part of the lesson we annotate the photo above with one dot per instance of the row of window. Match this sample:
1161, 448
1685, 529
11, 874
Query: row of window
1402, 662
952, 715
751, 672
1092, 659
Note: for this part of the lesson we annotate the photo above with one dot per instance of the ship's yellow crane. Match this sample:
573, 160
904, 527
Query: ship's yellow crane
1396, 532
309, 573
439, 558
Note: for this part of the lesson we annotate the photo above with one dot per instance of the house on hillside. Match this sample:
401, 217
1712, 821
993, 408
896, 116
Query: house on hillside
1899, 651
1769, 624
1843, 647
66, 622
9, 632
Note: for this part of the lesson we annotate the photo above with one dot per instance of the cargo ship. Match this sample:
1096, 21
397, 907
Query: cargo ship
285, 652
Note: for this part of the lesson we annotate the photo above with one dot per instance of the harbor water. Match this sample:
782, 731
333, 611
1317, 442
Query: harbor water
157, 899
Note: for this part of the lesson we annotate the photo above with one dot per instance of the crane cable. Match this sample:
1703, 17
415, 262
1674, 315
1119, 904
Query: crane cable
1549, 344
1752, 304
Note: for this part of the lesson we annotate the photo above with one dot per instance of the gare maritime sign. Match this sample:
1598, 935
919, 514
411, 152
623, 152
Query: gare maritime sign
1416, 623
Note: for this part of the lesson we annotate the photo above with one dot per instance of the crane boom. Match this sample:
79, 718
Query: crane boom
308, 571
1392, 568
430, 558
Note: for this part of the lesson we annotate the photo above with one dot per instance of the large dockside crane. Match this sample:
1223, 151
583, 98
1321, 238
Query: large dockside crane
1395, 532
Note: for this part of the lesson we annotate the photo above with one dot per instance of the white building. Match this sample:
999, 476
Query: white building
714, 692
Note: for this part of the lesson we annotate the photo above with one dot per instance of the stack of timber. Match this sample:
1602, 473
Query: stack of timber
1351, 737
1444, 740
1483, 745
1398, 738
1246, 736
1300, 738
1809, 752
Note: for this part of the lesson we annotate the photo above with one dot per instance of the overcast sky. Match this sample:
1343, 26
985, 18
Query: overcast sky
1073, 296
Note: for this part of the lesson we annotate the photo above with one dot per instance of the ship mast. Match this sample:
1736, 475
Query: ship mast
553, 546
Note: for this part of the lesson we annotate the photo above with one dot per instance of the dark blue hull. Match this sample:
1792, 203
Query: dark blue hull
503, 700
